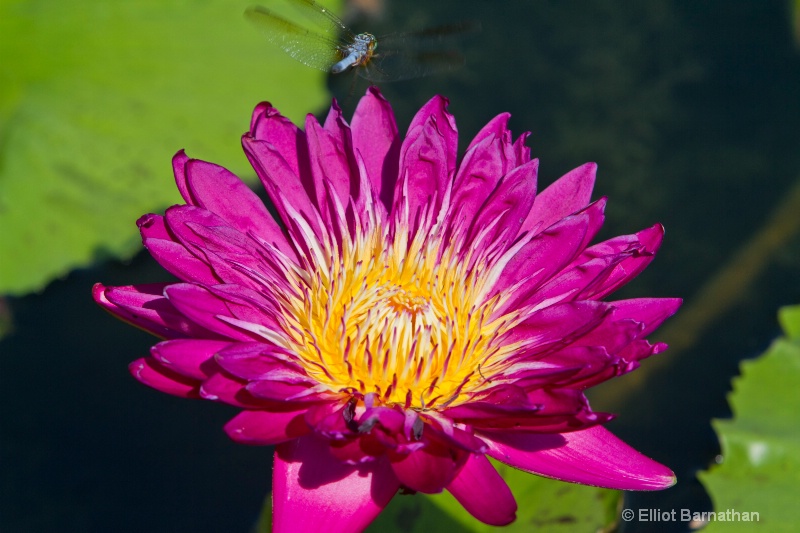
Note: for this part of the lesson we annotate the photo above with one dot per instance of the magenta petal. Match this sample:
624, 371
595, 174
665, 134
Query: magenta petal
638, 350
284, 186
177, 261
188, 357
508, 204
153, 374
651, 312
313, 491
429, 469
424, 175
392, 419
541, 257
329, 150
202, 307
173, 256
375, 138
444, 432
221, 192
592, 456
628, 268
483, 492
568, 194
265, 428
248, 305
179, 161
435, 112
558, 325
185, 221
153, 227
293, 387
427, 160
489, 157
221, 387
497, 128
545, 410
267, 124
253, 361
144, 306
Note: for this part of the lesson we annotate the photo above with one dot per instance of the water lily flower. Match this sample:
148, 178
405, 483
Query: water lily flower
402, 318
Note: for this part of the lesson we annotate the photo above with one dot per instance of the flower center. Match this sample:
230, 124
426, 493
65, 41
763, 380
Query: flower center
404, 302
406, 323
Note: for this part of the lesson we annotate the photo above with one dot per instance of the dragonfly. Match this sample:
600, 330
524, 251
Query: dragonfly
332, 47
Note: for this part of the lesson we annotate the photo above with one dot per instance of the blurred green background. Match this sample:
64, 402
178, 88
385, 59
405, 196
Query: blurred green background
690, 109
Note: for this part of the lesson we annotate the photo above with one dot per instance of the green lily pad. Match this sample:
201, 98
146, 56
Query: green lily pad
760, 471
96, 97
545, 505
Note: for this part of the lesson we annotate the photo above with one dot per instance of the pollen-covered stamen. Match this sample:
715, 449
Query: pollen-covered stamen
403, 317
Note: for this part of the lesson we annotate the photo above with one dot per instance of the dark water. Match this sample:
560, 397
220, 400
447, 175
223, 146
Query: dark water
692, 112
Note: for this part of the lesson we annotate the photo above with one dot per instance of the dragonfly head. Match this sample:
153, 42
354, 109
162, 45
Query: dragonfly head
365, 39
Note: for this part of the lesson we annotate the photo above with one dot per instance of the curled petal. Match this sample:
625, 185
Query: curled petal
651, 312
435, 112
445, 432
144, 306
391, 419
267, 124
649, 240
545, 255
593, 456
221, 387
179, 161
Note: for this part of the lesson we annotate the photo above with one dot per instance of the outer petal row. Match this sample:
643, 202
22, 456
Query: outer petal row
592, 456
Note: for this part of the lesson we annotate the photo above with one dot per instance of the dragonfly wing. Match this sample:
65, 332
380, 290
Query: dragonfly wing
396, 65
412, 55
307, 47
447, 33
328, 23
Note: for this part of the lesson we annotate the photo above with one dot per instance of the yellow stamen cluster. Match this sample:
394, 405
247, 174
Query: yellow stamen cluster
376, 314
